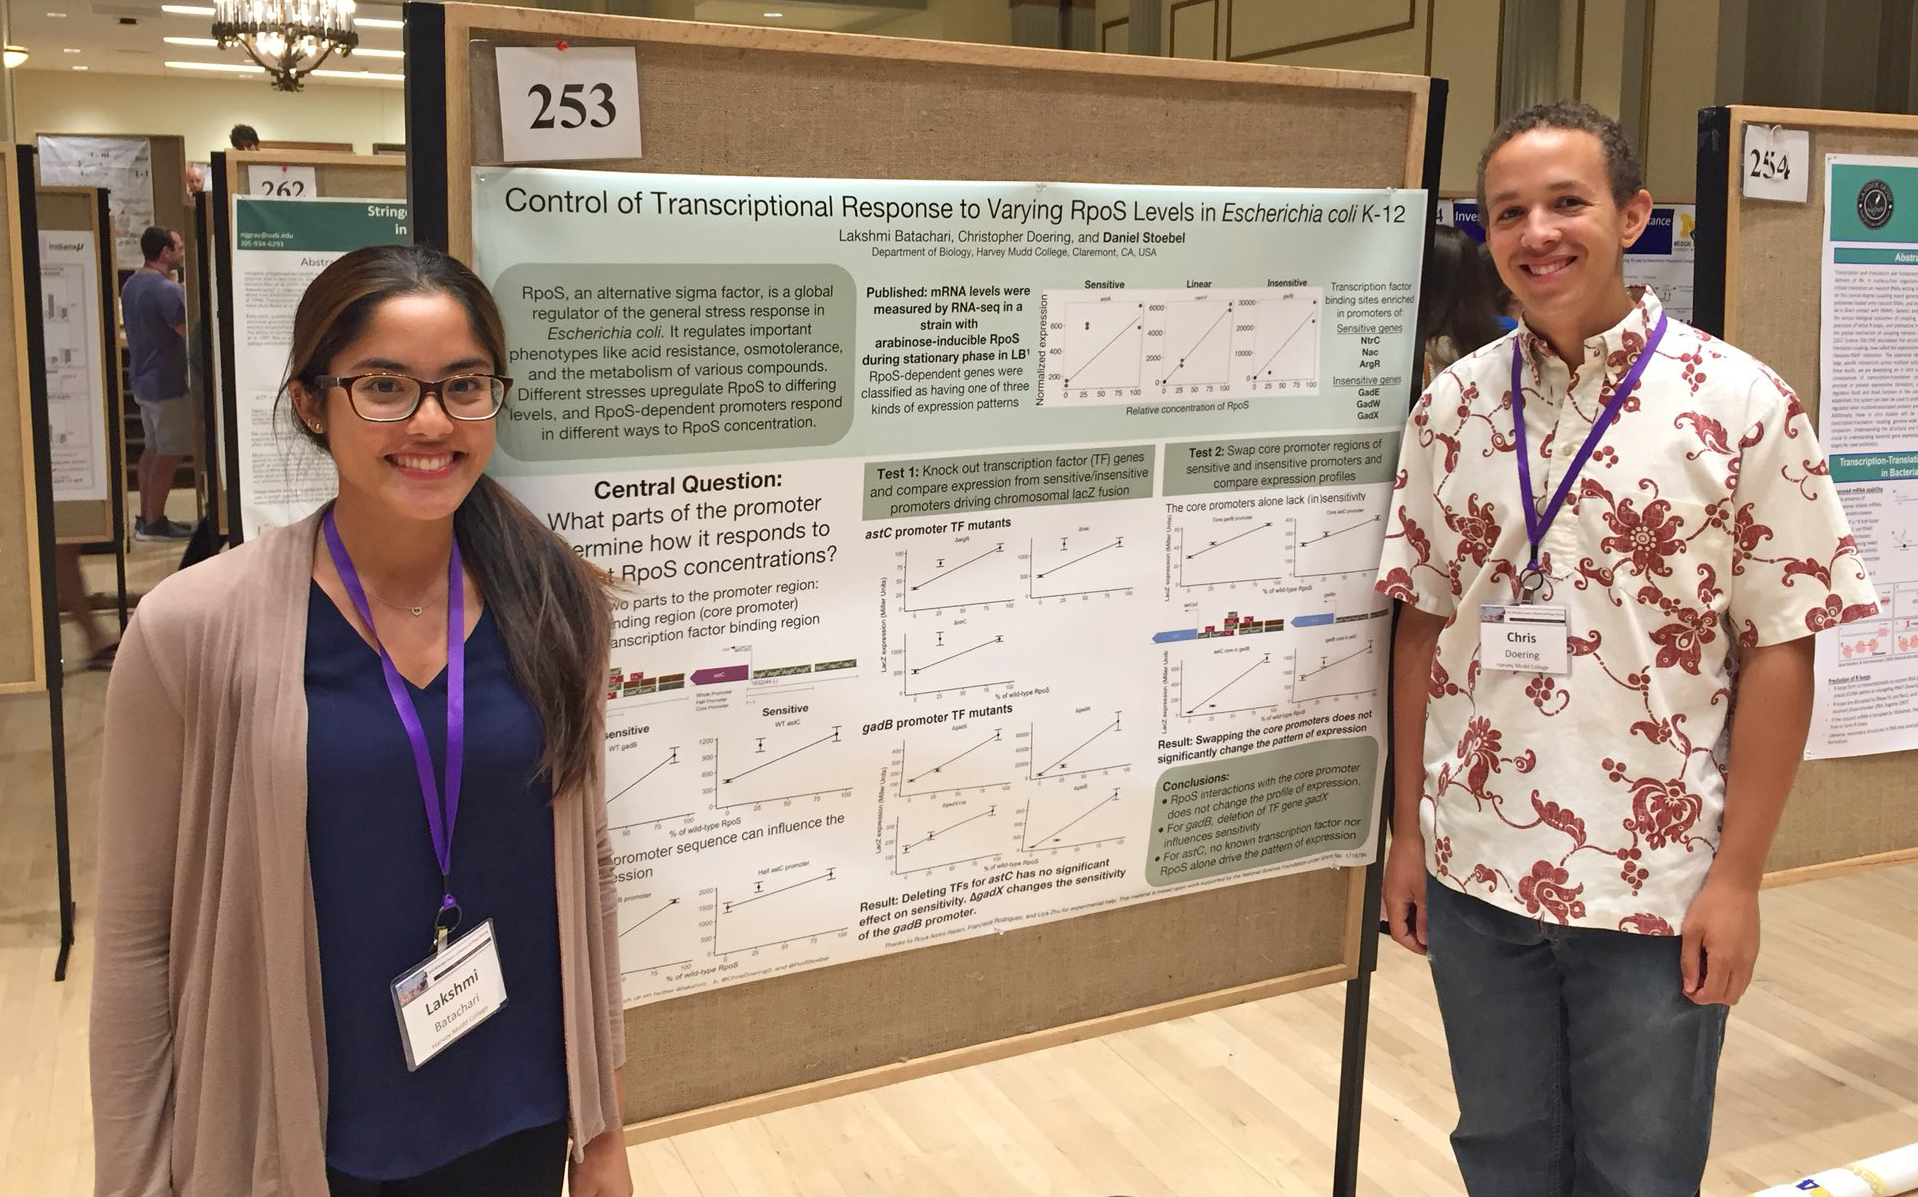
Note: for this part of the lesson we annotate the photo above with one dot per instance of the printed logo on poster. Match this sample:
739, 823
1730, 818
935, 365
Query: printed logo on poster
1875, 204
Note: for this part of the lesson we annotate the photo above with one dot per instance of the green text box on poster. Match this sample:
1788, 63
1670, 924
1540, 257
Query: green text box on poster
1279, 463
1266, 808
319, 226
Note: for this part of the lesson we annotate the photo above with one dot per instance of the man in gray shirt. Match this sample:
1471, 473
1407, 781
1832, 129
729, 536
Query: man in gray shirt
154, 309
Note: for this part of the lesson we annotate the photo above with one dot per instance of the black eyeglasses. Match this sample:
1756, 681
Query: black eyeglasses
392, 398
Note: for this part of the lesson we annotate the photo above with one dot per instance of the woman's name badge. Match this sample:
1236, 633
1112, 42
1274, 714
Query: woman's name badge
1523, 638
449, 994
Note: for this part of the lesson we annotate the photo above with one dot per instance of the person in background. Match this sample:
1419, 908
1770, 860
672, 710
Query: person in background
1508, 307
71, 586
153, 308
352, 791
243, 137
1456, 310
1613, 539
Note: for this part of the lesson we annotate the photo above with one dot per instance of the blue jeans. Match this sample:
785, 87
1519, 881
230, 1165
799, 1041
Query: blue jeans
1582, 1069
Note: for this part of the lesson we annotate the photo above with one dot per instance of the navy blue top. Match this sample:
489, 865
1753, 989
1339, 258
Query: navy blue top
376, 888
152, 306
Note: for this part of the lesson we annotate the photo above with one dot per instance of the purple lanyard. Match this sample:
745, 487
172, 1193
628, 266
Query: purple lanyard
1536, 524
439, 822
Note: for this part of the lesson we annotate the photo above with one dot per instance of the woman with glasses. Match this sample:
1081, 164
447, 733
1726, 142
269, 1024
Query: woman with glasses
356, 920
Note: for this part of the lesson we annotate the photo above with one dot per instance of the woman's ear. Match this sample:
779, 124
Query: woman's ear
308, 408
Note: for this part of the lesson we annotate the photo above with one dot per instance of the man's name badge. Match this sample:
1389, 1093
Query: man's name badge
448, 994
1523, 638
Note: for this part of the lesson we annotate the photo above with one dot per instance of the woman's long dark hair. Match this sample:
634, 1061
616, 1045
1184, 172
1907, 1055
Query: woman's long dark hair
552, 609
1456, 300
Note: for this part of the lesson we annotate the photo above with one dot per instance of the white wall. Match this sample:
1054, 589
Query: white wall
202, 110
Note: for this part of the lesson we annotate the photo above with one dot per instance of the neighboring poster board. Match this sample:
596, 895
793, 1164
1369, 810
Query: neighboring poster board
1759, 287
123, 166
1662, 258
849, 109
268, 251
23, 661
1868, 428
79, 319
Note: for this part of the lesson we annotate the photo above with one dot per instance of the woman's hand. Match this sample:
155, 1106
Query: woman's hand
604, 1172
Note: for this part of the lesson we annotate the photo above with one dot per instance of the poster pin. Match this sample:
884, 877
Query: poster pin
561, 45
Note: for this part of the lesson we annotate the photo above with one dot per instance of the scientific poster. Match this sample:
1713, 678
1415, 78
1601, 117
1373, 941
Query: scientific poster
76, 379
1867, 696
122, 165
1663, 258
279, 246
995, 552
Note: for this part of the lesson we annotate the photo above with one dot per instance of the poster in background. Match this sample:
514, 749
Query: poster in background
76, 378
122, 165
279, 246
994, 553
1867, 694
1662, 258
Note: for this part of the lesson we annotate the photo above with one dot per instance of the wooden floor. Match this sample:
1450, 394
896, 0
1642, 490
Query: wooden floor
1820, 1068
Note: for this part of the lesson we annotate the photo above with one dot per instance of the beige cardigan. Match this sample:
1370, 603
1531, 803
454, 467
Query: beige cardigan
208, 1050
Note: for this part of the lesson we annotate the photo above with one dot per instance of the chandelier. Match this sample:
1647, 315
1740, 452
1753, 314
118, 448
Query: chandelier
288, 38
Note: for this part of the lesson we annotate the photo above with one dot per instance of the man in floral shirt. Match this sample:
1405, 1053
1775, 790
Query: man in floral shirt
1609, 693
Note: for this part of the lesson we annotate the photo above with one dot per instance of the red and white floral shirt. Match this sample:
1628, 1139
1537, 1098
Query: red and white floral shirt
1703, 524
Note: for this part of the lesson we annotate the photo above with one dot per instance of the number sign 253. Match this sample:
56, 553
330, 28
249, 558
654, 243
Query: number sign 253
570, 105
581, 102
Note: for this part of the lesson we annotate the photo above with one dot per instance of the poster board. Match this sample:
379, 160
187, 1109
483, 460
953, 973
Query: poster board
263, 454
1759, 286
23, 660
878, 109
81, 322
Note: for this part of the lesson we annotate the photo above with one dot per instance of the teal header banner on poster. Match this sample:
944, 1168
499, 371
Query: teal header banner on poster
1875, 202
994, 552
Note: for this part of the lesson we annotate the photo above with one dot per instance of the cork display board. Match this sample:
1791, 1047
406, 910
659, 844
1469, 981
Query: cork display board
271, 173
78, 209
1856, 810
779, 103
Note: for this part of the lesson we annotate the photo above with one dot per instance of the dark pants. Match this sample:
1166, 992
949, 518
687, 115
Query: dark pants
531, 1163
1582, 1069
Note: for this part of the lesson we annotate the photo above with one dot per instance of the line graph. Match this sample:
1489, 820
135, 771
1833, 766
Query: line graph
952, 660
968, 758
1228, 550
952, 834
657, 932
1341, 665
966, 571
1078, 565
1085, 822
1239, 692
781, 767
778, 911
1178, 344
1340, 544
1093, 747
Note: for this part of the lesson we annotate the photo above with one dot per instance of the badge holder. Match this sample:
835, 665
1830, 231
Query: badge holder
443, 998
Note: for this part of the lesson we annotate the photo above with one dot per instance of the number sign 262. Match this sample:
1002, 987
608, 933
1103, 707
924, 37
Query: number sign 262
581, 102
601, 94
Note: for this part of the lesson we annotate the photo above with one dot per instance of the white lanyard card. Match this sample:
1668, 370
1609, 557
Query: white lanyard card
449, 994
1523, 638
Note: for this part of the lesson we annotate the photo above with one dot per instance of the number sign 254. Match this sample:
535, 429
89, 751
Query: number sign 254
581, 102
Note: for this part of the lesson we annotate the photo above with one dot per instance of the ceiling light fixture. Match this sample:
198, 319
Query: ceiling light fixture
79, 68
69, 49
774, 15
288, 38
56, 14
189, 41
381, 23
13, 56
186, 10
360, 75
